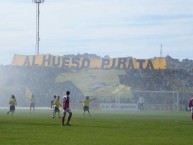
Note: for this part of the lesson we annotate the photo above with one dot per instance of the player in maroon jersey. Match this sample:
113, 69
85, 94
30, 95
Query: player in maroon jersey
190, 105
66, 109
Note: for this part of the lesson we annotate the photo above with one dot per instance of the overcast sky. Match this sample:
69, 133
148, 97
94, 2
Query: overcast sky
117, 28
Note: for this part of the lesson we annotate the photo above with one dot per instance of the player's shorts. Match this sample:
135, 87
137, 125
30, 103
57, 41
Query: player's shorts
56, 109
67, 110
32, 104
86, 108
191, 109
12, 108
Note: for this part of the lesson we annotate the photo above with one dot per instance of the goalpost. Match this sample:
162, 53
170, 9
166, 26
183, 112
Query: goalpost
153, 100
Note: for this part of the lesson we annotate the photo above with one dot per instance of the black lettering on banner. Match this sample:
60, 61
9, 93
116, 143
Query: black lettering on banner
85, 63
65, 62
130, 64
105, 63
76, 62
122, 63
141, 61
56, 61
113, 63
149, 64
27, 61
79, 62
46, 60
33, 60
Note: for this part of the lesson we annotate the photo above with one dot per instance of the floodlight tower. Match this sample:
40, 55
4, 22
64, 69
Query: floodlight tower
37, 2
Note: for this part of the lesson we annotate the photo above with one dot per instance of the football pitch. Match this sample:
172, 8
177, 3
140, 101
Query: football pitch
102, 128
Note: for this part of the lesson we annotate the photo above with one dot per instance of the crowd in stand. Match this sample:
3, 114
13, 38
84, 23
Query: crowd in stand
164, 83
159, 80
42, 81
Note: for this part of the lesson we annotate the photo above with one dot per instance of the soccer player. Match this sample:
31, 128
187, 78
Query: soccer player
52, 102
190, 105
86, 103
12, 103
66, 109
32, 103
57, 107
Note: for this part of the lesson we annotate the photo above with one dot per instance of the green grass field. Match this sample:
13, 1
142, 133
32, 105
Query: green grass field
103, 128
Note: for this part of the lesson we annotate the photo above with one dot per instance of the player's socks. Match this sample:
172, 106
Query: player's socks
63, 121
192, 116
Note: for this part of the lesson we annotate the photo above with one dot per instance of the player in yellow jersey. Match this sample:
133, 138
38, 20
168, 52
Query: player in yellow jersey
57, 106
12, 103
86, 103
52, 101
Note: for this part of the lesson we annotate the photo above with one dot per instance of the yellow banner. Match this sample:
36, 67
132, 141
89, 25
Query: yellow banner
87, 62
